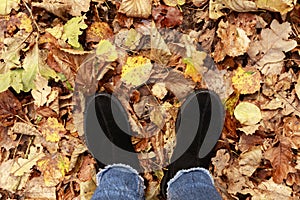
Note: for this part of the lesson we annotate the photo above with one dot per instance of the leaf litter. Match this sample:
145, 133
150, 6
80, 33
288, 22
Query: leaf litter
50, 50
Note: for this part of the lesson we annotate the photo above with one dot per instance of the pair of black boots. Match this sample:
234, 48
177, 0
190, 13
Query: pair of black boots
198, 127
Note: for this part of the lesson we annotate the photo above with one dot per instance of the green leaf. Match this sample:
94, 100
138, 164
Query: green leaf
16, 80
4, 81
106, 51
30, 65
72, 30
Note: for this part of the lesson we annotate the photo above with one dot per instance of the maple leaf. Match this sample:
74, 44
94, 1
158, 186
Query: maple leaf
136, 71
72, 30
280, 157
271, 45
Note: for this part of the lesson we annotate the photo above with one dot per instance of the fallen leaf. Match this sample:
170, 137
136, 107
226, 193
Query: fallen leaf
98, 31
10, 107
87, 168
220, 161
174, 2
106, 51
87, 189
24, 128
136, 71
270, 190
72, 29
7, 5
246, 142
53, 168
166, 16
199, 3
250, 130
282, 6
216, 6
194, 65
246, 80
136, 8
41, 91
159, 90
270, 48
247, 113
234, 40
7, 181
52, 130
280, 157
249, 161
36, 189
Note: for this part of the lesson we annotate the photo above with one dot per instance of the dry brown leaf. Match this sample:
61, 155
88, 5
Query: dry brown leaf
280, 157
270, 190
249, 130
24, 128
136, 8
246, 142
86, 170
269, 50
199, 3
234, 40
220, 161
98, 31
36, 189
282, 6
41, 91
249, 161
159, 90
166, 16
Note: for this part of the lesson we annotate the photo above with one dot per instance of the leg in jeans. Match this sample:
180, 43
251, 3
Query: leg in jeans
195, 183
119, 182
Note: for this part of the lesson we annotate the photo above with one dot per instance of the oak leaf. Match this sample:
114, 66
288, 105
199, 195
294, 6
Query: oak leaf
269, 49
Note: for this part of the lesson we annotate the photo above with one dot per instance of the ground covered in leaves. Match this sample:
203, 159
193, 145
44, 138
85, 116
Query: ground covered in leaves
150, 54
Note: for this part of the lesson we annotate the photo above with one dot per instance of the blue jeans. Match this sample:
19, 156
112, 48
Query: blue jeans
122, 182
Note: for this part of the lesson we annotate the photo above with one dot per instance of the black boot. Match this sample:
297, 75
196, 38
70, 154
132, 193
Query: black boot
108, 132
198, 127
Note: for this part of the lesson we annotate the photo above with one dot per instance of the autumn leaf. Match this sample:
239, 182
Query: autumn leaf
41, 92
72, 29
247, 113
174, 2
53, 168
106, 51
246, 80
136, 8
249, 161
194, 65
234, 41
166, 16
52, 130
136, 71
7, 5
282, 6
98, 31
270, 48
280, 157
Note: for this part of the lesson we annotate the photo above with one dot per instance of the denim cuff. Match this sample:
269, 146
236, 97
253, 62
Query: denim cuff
119, 181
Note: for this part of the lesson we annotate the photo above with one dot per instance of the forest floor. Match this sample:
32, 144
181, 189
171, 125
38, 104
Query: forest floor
151, 54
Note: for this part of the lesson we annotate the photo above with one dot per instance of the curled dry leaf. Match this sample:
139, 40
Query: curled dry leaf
136, 8
221, 161
234, 41
246, 80
247, 113
249, 161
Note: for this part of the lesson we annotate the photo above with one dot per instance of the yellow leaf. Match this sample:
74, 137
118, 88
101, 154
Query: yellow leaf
106, 51
247, 113
174, 2
136, 71
191, 71
52, 129
63, 164
246, 80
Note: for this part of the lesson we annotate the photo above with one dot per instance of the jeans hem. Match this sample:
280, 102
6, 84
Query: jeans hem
181, 172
